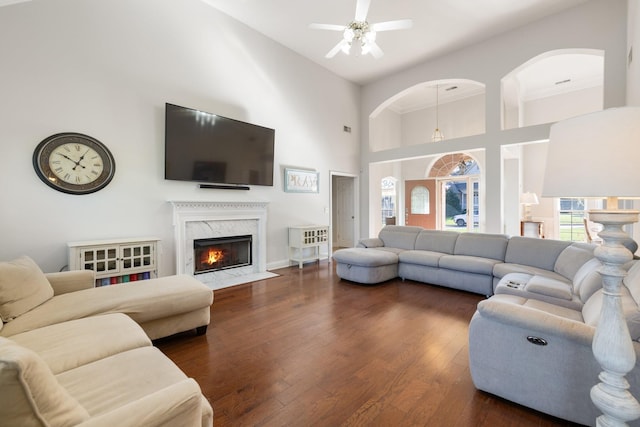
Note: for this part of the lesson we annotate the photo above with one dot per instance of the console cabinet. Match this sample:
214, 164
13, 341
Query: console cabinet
116, 261
305, 242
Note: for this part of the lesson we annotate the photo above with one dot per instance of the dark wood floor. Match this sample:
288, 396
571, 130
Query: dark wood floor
307, 349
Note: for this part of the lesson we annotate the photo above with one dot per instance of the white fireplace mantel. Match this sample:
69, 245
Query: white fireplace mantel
204, 219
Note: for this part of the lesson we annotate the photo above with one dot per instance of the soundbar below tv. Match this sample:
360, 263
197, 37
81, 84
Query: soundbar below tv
207, 148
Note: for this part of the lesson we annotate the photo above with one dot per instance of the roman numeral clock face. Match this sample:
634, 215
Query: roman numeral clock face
73, 163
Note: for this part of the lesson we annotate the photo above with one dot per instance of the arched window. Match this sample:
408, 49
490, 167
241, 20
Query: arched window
420, 200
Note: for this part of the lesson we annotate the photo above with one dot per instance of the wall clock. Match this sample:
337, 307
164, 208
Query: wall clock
73, 163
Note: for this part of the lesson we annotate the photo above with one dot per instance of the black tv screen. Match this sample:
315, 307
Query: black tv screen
208, 148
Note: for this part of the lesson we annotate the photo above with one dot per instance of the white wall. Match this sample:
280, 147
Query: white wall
455, 119
106, 68
386, 130
555, 108
597, 24
633, 41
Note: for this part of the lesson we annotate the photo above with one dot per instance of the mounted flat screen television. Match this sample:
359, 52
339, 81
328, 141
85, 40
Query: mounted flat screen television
207, 148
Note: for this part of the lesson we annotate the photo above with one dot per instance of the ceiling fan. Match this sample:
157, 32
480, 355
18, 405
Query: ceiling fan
360, 31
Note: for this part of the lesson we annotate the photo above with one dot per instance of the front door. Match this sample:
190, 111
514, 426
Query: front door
420, 206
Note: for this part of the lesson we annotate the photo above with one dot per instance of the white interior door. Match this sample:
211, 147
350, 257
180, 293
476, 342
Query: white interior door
343, 211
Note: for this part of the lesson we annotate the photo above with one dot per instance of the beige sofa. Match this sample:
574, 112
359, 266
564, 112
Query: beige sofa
72, 354
164, 306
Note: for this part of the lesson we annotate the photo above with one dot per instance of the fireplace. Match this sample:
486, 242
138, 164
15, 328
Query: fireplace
194, 220
219, 253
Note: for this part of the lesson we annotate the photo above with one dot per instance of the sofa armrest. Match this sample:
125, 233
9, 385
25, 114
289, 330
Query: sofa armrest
373, 242
176, 405
70, 281
542, 322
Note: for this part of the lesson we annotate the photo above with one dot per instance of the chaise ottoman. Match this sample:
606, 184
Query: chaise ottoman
366, 266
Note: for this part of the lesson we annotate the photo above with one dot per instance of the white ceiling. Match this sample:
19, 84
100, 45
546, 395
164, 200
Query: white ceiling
438, 27
8, 2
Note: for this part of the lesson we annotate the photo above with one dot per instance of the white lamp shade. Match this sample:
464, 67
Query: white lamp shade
595, 155
529, 198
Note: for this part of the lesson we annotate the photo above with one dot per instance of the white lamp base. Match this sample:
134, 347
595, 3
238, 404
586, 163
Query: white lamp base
612, 344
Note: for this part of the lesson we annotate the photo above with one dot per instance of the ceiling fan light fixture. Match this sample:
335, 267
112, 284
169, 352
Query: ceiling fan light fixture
349, 34
360, 31
370, 36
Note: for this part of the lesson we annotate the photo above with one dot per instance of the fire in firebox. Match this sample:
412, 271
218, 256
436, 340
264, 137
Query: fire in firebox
221, 253
213, 256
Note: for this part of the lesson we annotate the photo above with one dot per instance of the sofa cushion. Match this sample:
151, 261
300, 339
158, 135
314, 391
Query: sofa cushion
428, 258
399, 236
632, 280
23, 286
542, 288
437, 241
550, 287
92, 338
541, 253
143, 301
468, 264
119, 379
482, 245
30, 394
372, 242
365, 257
630, 293
630, 311
502, 269
572, 258
587, 279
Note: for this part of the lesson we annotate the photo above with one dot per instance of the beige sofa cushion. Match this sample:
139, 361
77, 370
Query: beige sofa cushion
67, 345
143, 301
23, 286
120, 379
30, 394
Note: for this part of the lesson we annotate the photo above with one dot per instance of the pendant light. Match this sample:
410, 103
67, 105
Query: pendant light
437, 134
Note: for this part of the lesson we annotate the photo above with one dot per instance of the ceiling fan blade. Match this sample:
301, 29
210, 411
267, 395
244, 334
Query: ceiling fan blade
375, 50
331, 27
401, 24
362, 8
336, 49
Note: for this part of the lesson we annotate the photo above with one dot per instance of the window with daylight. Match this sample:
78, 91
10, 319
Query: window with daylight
572, 213
420, 200
388, 186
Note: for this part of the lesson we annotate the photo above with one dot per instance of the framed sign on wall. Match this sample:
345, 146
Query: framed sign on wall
300, 181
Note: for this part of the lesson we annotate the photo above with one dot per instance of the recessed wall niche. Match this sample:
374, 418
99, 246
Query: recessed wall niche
553, 86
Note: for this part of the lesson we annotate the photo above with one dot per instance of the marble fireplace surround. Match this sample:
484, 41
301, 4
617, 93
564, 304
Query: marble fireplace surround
203, 219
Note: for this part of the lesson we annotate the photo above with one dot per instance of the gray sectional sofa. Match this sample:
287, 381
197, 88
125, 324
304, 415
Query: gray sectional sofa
539, 354
475, 262
530, 341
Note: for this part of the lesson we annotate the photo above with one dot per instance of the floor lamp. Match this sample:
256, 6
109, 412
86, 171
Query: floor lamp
596, 156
